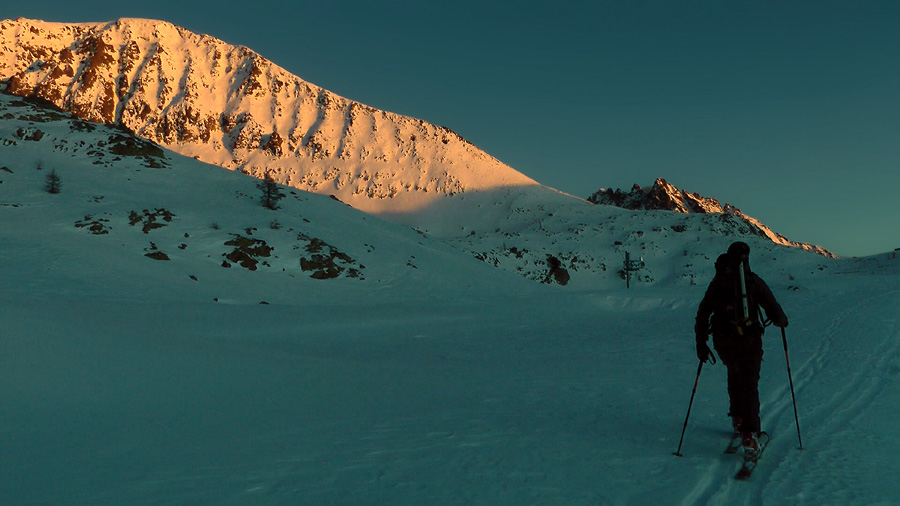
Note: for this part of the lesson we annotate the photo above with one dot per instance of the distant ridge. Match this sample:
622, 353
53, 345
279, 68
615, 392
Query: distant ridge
664, 195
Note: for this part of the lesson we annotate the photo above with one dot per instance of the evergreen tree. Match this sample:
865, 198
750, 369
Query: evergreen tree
271, 193
53, 184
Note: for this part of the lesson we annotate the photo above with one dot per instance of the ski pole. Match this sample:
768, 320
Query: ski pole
791, 381
683, 429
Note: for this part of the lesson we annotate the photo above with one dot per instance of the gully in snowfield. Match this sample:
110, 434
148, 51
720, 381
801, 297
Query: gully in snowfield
733, 301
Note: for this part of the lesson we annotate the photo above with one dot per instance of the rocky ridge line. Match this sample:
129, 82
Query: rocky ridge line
663, 195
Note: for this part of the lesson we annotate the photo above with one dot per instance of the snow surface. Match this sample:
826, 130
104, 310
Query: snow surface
432, 378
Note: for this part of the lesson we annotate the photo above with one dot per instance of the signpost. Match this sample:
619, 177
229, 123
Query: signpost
631, 266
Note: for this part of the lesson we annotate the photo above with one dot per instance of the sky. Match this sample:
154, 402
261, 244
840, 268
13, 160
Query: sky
787, 110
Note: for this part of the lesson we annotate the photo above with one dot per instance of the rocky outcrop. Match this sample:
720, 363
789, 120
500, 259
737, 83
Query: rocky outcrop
662, 195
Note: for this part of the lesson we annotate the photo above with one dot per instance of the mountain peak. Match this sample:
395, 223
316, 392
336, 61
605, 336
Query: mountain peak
663, 195
228, 105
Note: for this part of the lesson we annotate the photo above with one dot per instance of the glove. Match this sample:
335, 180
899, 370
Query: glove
781, 322
703, 351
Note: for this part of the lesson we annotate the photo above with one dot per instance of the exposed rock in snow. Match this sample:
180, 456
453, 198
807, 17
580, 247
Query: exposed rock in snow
662, 195
665, 196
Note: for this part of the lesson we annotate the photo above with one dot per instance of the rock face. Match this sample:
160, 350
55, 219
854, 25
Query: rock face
229, 106
665, 196
662, 195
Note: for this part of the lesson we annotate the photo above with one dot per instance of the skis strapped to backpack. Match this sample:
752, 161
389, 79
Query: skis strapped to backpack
743, 319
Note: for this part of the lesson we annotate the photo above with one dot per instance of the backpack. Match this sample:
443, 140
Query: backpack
736, 307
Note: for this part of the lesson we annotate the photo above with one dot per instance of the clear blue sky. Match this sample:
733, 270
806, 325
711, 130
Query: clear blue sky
790, 110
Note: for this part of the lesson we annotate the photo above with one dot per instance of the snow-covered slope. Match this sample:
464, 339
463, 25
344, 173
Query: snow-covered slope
229, 106
416, 374
174, 226
541, 235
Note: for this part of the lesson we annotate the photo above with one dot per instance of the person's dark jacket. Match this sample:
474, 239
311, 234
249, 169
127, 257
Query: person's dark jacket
721, 305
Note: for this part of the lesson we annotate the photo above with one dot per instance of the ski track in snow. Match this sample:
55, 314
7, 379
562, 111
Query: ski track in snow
436, 380
864, 376
536, 400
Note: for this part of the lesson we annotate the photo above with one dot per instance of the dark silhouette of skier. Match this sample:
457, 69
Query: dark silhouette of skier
730, 310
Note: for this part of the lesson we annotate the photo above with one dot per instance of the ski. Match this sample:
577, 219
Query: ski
734, 443
750, 462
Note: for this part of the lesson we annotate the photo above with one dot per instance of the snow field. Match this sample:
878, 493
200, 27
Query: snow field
437, 379
538, 398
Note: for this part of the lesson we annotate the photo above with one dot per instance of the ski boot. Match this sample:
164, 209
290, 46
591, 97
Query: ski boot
750, 446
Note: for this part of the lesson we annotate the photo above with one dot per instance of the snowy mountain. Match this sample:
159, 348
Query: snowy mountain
228, 106
167, 339
547, 240
664, 195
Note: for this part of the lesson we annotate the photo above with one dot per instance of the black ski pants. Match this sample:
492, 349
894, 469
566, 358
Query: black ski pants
742, 356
